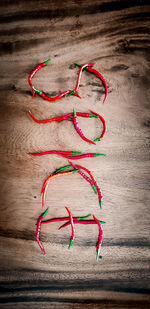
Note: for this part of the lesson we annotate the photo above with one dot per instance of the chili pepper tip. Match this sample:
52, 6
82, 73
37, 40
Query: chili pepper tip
76, 152
82, 218
97, 255
74, 113
92, 115
100, 203
78, 64
94, 189
97, 139
102, 222
76, 170
71, 242
44, 214
47, 61
99, 154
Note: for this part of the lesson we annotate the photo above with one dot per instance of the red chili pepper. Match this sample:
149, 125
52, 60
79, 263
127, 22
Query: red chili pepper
77, 221
84, 176
99, 75
104, 125
34, 90
57, 119
38, 230
45, 184
92, 177
79, 131
86, 155
37, 68
79, 75
72, 227
61, 118
100, 238
65, 219
68, 154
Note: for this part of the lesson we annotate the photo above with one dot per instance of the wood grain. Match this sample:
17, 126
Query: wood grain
115, 36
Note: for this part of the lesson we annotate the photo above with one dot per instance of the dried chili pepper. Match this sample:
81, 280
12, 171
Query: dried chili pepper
72, 228
100, 238
78, 129
38, 230
99, 75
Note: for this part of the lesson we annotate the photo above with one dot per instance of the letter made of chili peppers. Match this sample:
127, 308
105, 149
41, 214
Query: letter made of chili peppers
92, 177
100, 237
99, 75
34, 90
78, 129
85, 177
72, 155
38, 230
72, 228
69, 118
46, 182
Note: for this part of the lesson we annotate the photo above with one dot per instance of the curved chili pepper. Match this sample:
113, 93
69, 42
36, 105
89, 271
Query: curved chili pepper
100, 238
72, 228
95, 183
45, 184
74, 92
85, 177
104, 126
57, 119
92, 177
99, 75
43, 64
68, 154
45, 97
79, 131
34, 90
38, 230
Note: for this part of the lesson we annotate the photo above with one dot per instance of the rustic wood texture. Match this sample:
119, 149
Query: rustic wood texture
115, 36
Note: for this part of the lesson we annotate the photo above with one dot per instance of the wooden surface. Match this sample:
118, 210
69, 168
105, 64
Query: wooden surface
115, 36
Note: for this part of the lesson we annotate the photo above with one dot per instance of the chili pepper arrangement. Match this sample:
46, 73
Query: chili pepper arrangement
71, 221
71, 155
73, 117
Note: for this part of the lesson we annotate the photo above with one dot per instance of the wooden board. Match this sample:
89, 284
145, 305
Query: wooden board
115, 36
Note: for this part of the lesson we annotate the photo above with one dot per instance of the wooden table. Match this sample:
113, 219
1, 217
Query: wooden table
115, 36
